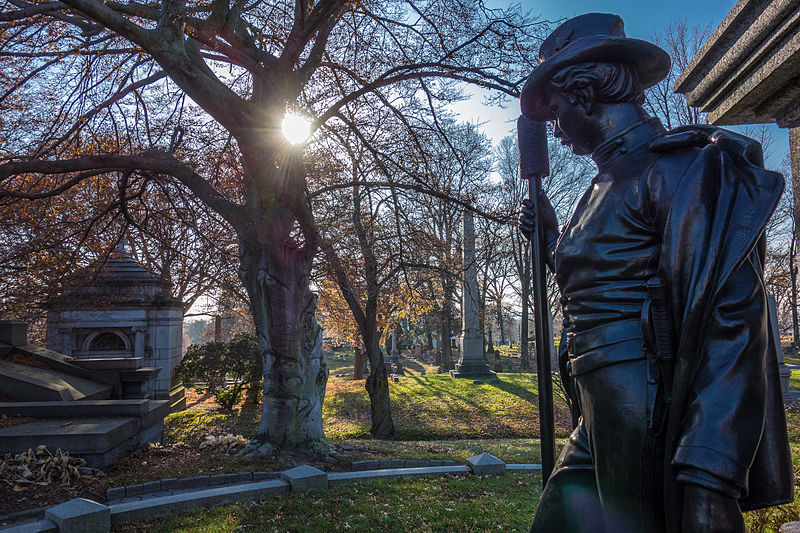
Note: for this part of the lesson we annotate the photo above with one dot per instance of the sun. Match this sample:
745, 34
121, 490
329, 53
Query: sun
295, 128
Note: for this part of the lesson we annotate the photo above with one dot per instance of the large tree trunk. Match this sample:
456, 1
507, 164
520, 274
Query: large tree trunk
525, 356
499, 313
277, 244
447, 349
276, 279
377, 386
358, 367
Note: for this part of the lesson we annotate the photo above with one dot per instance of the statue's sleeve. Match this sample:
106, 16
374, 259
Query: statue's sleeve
718, 306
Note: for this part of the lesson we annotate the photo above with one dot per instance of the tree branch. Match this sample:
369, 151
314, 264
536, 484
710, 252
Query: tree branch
155, 161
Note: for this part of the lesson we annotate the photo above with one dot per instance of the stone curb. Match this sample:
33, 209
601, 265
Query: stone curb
189, 483
39, 526
192, 493
177, 503
171, 484
336, 479
375, 464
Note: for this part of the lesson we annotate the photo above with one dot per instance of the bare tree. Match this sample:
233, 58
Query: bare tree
195, 93
682, 43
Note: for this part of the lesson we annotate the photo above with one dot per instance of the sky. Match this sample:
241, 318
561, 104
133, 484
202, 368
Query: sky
642, 19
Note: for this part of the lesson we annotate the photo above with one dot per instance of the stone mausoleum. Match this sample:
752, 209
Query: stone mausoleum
104, 385
119, 315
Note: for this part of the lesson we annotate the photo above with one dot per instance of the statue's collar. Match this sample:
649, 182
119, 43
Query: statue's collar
626, 141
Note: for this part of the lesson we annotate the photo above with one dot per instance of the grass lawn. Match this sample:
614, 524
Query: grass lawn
435, 406
436, 418
470, 504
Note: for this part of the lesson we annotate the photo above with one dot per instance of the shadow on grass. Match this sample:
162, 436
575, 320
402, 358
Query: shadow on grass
518, 391
410, 364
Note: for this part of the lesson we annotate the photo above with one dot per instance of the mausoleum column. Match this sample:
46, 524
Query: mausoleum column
138, 343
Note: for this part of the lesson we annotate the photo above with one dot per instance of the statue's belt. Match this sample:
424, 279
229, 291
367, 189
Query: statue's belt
604, 345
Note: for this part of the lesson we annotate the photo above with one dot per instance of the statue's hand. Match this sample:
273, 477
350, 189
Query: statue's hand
527, 219
709, 511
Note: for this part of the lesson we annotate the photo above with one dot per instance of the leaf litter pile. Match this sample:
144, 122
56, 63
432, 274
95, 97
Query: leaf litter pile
39, 477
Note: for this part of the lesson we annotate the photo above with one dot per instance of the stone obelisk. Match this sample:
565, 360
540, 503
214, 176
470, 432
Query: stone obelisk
472, 363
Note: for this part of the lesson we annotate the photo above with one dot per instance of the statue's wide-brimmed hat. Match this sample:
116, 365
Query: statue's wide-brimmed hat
589, 38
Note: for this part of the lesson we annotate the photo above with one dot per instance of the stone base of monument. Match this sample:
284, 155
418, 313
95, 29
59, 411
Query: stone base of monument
472, 364
473, 370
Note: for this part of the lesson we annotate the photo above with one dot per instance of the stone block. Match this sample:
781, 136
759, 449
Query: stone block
436, 462
40, 526
232, 478
217, 479
416, 463
117, 493
185, 483
200, 481
448, 462
151, 487
523, 468
261, 476
169, 483
305, 478
486, 464
790, 527
366, 465
244, 477
80, 516
134, 490
391, 463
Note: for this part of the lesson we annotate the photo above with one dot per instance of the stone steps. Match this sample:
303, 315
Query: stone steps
100, 441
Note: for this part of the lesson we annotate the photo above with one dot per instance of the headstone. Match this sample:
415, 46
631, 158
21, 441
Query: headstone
472, 362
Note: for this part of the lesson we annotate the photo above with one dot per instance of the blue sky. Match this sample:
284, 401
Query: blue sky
642, 18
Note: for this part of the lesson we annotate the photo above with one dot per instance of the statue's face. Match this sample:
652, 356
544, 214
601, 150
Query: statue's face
574, 126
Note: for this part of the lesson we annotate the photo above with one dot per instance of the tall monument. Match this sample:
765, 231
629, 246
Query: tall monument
472, 362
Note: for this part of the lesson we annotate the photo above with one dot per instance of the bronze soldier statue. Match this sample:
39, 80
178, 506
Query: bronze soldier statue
667, 348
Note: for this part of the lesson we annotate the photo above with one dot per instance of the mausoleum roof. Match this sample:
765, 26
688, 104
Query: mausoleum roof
118, 279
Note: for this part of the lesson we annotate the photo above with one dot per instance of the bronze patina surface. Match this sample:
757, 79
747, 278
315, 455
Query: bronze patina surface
668, 353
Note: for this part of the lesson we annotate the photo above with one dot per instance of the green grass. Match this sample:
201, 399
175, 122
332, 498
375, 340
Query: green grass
502, 503
192, 426
436, 406
437, 418
794, 380
509, 450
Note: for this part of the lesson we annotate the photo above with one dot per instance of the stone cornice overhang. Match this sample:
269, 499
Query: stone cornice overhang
749, 69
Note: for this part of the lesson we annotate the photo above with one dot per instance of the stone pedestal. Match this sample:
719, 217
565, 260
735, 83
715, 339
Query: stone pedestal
472, 363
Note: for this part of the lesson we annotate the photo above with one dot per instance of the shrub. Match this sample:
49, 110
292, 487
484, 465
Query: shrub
224, 368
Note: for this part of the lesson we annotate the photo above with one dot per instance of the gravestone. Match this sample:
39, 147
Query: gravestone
472, 362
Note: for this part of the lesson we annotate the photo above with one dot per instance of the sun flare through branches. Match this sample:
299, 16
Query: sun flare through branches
295, 128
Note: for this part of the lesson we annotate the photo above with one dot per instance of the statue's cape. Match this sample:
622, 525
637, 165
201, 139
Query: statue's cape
717, 218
